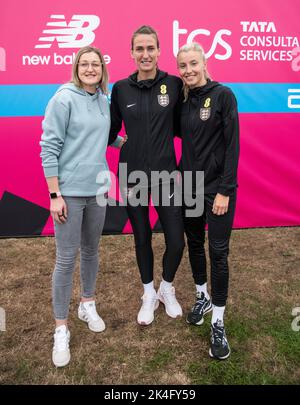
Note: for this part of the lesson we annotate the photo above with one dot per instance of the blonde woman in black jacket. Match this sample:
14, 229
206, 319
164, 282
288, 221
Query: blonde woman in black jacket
210, 143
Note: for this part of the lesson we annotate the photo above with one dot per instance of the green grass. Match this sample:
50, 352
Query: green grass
264, 287
275, 363
23, 370
159, 360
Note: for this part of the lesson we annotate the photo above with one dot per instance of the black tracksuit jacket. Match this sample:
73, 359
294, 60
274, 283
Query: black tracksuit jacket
148, 110
210, 137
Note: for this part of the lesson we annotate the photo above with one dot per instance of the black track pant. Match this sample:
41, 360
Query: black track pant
219, 230
172, 224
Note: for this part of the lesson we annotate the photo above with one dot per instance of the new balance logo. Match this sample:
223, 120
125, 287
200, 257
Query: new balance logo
76, 34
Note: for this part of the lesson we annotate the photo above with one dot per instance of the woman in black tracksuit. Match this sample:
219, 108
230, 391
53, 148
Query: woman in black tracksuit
146, 103
210, 143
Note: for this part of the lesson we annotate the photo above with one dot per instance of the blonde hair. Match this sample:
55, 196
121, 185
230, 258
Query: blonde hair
193, 46
103, 84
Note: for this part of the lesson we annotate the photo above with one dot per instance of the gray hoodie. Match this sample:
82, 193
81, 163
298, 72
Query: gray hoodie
74, 141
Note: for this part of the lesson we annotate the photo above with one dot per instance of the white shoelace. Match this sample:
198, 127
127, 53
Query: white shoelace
61, 341
148, 302
169, 295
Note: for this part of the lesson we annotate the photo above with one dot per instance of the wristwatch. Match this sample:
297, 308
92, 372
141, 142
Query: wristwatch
55, 195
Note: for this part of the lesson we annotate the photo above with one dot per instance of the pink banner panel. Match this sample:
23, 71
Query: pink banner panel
20, 163
269, 171
244, 40
253, 47
269, 184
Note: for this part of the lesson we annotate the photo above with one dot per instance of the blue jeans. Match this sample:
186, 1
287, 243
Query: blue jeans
82, 230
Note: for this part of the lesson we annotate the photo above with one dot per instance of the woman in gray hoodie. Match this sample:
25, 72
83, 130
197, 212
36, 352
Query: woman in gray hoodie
74, 141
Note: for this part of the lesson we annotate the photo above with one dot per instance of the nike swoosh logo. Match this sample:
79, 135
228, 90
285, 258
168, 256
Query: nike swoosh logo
170, 196
130, 105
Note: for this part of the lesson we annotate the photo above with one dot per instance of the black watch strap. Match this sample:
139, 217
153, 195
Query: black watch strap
55, 195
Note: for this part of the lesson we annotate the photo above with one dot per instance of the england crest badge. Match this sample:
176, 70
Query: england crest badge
163, 100
204, 113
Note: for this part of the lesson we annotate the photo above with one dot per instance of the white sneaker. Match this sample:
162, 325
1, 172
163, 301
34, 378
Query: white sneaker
61, 352
149, 305
168, 298
87, 312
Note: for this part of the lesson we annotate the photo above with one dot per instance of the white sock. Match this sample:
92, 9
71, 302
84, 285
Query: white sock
149, 288
165, 285
61, 328
202, 289
217, 314
86, 303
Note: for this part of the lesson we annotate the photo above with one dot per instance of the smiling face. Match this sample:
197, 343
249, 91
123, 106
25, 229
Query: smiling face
90, 71
145, 54
191, 67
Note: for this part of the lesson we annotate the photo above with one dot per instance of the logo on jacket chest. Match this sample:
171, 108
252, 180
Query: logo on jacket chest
205, 110
163, 97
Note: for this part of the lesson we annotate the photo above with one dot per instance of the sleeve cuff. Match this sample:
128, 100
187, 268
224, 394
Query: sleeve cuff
51, 171
116, 143
227, 191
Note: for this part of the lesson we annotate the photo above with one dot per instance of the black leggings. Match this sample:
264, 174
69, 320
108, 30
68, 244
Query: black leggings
219, 231
172, 224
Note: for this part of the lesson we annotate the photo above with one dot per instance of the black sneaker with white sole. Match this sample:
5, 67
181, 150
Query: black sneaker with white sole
201, 307
219, 347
